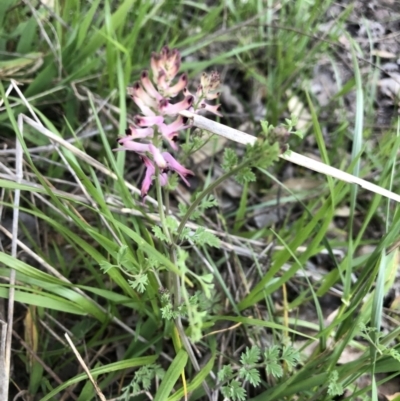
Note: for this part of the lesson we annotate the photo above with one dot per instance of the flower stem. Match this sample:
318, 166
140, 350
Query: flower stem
206, 191
161, 206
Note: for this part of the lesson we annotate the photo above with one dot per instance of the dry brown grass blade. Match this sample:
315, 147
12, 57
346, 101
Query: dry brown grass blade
86, 369
5, 362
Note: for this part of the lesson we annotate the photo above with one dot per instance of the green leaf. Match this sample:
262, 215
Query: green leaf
250, 356
203, 237
226, 373
290, 355
234, 391
209, 202
230, 159
139, 283
105, 266
182, 209
147, 248
172, 375
44, 300
173, 182
195, 383
272, 363
106, 369
334, 386
245, 175
172, 223
251, 375
159, 233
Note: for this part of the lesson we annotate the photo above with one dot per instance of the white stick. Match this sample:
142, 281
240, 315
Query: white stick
296, 158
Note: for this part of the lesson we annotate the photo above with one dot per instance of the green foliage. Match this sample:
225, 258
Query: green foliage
225, 373
230, 159
273, 358
173, 182
157, 230
233, 391
250, 356
334, 386
138, 277
203, 237
206, 203
251, 375
263, 153
290, 356
172, 223
169, 313
142, 381
194, 143
245, 175
139, 283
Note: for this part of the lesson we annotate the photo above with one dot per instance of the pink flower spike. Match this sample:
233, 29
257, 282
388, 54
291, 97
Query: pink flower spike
146, 110
148, 121
157, 157
168, 108
136, 133
149, 87
148, 178
177, 167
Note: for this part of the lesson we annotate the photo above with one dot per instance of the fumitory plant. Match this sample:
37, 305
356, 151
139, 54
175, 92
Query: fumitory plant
153, 136
154, 131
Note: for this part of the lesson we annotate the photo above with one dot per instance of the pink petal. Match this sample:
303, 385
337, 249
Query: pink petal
211, 108
149, 87
177, 167
163, 179
129, 144
171, 139
155, 64
145, 109
167, 130
173, 63
136, 133
168, 108
186, 92
162, 80
148, 178
139, 92
170, 131
148, 121
212, 96
175, 89
157, 157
